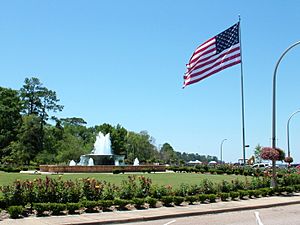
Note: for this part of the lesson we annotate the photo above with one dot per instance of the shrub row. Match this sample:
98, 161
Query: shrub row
43, 209
135, 187
219, 169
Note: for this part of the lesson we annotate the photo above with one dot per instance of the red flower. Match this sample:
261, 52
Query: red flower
288, 159
268, 153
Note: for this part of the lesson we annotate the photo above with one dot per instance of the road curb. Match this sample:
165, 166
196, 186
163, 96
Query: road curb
185, 214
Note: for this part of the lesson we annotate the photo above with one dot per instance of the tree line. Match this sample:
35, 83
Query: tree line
31, 134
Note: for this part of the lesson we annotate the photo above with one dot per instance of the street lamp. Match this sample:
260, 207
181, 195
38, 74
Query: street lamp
221, 150
288, 131
273, 181
274, 95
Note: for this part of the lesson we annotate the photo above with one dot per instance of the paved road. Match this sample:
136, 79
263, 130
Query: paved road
285, 215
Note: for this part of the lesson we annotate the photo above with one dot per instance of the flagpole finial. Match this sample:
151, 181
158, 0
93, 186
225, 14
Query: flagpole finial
239, 15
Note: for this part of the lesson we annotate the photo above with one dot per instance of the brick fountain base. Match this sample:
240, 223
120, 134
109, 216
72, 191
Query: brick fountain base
101, 168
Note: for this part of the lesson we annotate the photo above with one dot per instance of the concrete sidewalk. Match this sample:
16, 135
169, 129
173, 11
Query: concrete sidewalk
158, 213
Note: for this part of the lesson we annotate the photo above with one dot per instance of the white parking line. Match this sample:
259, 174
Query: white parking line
258, 221
172, 221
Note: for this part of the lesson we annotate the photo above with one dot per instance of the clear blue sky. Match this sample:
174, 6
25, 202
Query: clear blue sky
123, 62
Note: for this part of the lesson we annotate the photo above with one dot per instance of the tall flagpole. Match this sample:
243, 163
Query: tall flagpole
242, 93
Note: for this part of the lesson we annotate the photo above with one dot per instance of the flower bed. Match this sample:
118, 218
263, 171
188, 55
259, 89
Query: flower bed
58, 197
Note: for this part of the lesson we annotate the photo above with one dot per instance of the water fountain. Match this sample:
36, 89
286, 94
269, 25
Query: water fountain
72, 163
136, 162
101, 153
100, 160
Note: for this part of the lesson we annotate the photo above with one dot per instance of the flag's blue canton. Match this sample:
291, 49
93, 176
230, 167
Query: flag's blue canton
227, 38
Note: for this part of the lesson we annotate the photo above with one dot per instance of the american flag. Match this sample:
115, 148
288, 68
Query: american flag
214, 55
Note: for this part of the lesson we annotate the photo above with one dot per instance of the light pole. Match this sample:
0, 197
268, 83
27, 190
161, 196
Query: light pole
273, 181
288, 131
221, 150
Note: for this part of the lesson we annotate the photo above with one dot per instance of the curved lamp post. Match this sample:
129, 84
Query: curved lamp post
288, 131
221, 150
273, 182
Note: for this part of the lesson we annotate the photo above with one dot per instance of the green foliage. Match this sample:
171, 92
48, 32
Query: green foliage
251, 193
191, 199
15, 211
202, 198
257, 153
10, 119
208, 187
57, 208
90, 206
178, 200
296, 186
151, 201
3, 203
290, 179
40, 208
121, 203
135, 187
167, 200
257, 193
183, 190
224, 196
234, 195
289, 189
72, 207
243, 194
167, 154
138, 202
14, 195
212, 198
105, 204
159, 191
224, 186
109, 191
141, 145
92, 189
237, 185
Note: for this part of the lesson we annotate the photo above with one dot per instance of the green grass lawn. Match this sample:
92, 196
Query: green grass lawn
173, 179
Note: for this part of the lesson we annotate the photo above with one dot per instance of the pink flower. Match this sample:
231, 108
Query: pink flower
288, 159
268, 153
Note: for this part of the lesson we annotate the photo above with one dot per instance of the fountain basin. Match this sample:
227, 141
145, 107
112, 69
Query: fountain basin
101, 168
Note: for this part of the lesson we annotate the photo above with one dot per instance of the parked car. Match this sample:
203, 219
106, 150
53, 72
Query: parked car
261, 165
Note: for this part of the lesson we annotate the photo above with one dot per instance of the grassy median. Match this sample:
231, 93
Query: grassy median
173, 179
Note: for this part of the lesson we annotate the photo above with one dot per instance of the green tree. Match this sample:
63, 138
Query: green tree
27, 145
10, 118
38, 100
168, 155
70, 148
75, 141
141, 146
257, 152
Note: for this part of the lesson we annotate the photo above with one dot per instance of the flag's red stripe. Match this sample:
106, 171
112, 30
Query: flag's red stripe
202, 58
207, 62
198, 48
212, 64
201, 50
201, 55
213, 72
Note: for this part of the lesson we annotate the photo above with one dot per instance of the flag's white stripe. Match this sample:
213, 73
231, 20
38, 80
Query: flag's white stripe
203, 56
203, 48
215, 62
210, 42
190, 79
211, 57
